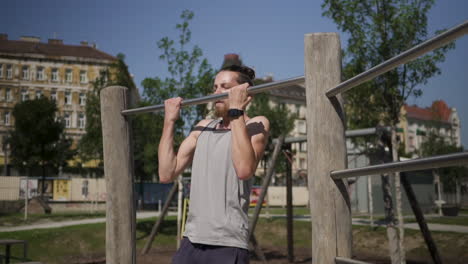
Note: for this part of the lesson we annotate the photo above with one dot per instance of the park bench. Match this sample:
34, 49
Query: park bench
8, 243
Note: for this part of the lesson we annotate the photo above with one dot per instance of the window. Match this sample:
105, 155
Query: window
104, 75
53, 96
25, 75
68, 75
6, 118
38, 94
8, 94
83, 77
298, 109
84, 188
68, 98
9, 72
40, 76
1, 70
301, 127
24, 95
55, 75
82, 99
67, 121
303, 146
302, 163
81, 121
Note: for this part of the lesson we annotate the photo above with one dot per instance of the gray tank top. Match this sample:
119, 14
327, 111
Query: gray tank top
219, 200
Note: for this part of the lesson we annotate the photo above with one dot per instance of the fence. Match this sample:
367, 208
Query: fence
330, 205
327, 188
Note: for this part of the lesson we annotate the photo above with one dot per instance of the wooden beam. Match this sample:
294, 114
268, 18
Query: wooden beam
329, 199
118, 171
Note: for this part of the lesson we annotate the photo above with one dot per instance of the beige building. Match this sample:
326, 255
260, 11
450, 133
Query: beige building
31, 69
417, 122
294, 99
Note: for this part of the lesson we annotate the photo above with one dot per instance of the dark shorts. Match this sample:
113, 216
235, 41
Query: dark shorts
193, 253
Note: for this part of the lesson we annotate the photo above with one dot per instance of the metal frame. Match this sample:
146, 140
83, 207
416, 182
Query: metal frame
448, 160
214, 97
348, 133
418, 50
429, 45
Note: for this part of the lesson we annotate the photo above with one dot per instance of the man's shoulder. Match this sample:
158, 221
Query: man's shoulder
261, 119
198, 128
258, 125
204, 123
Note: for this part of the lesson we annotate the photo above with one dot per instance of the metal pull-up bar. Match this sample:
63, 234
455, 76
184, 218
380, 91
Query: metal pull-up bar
427, 46
348, 134
455, 159
214, 97
411, 54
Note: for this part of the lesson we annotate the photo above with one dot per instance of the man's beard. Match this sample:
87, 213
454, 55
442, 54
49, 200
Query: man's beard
220, 111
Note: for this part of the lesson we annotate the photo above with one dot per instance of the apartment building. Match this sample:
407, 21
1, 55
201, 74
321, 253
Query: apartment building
64, 73
417, 122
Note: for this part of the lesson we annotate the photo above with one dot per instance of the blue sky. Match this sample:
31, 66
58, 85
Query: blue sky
269, 35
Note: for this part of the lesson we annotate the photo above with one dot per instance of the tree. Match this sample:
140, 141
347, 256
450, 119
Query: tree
281, 121
90, 146
451, 177
379, 30
38, 139
190, 76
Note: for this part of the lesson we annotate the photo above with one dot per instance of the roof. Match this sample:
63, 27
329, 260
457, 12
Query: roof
295, 92
438, 111
54, 51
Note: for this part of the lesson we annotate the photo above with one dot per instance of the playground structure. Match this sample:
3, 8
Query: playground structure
327, 173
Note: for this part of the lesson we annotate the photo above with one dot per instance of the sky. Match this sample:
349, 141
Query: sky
267, 34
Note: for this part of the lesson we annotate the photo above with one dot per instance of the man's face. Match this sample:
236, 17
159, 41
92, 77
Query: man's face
224, 81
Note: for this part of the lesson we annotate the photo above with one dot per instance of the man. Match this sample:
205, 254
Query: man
224, 154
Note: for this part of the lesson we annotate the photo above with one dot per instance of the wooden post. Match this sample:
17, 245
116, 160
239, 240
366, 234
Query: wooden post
118, 171
329, 200
289, 205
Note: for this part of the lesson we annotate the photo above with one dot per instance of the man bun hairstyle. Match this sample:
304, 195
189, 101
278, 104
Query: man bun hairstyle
246, 74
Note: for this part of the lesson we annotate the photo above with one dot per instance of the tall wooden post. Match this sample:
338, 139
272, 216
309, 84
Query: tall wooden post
289, 205
118, 171
329, 200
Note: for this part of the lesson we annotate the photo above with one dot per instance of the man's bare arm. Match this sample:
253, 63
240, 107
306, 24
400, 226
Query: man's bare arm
172, 165
248, 144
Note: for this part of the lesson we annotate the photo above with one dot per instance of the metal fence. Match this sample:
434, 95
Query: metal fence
326, 148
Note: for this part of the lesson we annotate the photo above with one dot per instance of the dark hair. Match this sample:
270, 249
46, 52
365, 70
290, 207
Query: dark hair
246, 74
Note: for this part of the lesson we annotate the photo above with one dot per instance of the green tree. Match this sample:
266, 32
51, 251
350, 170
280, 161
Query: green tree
38, 139
90, 146
281, 122
190, 76
379, 30
451, 177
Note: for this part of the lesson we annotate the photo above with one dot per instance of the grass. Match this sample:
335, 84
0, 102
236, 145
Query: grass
61, 245
68, 244
372, 242
64, 245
